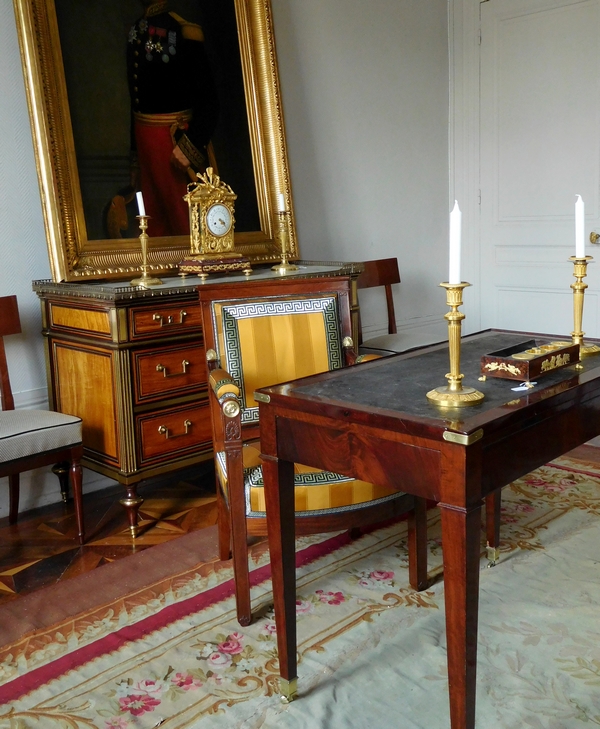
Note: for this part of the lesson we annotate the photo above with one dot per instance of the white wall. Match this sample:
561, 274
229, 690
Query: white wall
365, 94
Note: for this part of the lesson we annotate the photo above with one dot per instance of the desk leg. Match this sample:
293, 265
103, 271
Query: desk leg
279, 495
460, 545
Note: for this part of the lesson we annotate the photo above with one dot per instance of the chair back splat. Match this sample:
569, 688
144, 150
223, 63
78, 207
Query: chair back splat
262, 333
34, 438
382, 272
9, 324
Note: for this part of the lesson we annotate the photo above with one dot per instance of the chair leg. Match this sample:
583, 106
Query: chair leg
493, 503
76, 483
241, 572
223, 526
13, 499
417, 545
239, 541
61, 470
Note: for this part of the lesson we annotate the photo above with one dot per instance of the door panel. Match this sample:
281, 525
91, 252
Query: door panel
540, 147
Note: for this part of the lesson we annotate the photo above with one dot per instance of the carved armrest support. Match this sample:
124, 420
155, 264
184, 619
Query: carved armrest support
349, 353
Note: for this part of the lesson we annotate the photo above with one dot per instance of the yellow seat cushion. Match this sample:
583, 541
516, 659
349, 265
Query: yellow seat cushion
316, 492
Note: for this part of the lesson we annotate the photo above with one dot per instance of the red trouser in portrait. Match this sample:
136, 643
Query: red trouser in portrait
163, 186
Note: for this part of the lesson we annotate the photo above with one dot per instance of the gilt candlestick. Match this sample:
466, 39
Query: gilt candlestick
145, 280
580, 272
454, 395
285, 266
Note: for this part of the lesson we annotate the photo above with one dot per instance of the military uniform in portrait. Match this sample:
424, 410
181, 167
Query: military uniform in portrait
174, 109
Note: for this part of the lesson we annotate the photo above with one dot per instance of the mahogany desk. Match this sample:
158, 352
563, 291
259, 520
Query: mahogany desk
374, 422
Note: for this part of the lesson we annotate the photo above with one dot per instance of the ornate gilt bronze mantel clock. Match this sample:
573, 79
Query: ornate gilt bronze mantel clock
212, 221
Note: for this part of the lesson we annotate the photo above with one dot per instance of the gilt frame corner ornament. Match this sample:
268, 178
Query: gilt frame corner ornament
73, 256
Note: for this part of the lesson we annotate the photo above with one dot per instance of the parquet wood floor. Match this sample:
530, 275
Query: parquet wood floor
41, 549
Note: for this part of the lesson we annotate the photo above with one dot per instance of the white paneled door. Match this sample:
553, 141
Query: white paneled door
539, 148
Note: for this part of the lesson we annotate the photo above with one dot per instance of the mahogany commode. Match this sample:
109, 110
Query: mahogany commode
375, 419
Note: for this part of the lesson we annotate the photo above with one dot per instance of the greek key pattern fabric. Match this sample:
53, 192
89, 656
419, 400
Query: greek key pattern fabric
316, 492
261, 333
27, 432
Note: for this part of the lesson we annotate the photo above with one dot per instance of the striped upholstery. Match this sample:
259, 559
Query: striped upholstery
316, 492
250, 334
29, 432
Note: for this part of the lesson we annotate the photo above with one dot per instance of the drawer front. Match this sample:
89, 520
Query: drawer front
176, 432
169, 371
77, 319
164, 320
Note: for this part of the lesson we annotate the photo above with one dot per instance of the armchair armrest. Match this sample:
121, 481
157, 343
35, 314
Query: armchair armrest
367, 357
352, 357
222, 383
226, 391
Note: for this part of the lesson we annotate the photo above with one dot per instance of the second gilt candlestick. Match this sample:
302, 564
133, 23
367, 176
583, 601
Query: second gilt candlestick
580, 272
285, 265
454, 395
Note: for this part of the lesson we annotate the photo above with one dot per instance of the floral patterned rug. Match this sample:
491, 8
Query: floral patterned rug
371, 650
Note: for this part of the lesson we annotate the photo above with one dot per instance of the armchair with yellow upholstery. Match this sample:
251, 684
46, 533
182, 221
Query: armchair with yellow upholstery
262, 333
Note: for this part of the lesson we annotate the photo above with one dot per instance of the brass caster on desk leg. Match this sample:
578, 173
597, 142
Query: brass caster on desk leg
288, 690
493, 555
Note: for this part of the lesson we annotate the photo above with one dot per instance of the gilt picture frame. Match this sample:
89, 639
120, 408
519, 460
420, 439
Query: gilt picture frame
68, 167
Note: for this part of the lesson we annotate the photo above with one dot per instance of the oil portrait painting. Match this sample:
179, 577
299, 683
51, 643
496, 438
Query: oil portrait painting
134, 96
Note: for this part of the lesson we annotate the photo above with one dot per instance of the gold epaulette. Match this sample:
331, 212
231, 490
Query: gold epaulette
190, 31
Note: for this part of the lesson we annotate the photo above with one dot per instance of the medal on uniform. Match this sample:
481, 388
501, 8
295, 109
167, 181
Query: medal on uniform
172, 42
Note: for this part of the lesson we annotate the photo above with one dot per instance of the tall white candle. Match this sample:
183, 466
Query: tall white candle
455, 233
281, 200
579, 228
140, 202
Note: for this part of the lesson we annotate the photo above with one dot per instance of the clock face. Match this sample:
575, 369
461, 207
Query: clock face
218, 219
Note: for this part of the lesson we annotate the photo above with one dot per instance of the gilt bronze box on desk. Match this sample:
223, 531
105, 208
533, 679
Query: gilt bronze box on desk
529, 359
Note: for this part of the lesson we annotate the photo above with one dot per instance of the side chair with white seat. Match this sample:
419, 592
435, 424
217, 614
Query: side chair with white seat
34, 438
382, 272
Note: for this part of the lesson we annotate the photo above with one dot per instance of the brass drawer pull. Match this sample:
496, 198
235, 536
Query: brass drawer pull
163, 369
163, 430
169, 320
